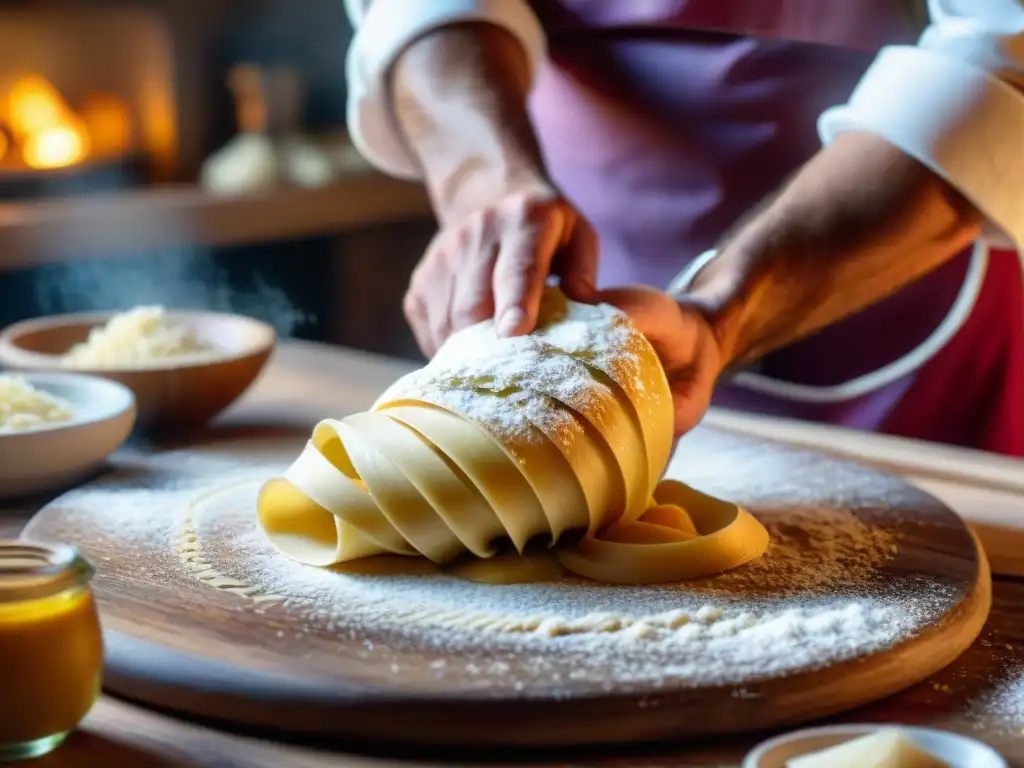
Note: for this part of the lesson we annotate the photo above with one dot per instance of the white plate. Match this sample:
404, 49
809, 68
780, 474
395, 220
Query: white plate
959, 751
54, 456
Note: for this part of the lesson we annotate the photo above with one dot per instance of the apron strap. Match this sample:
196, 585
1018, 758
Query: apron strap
874, 380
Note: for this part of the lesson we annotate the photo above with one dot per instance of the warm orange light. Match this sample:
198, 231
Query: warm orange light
34, 104
55, 147
108, 125
44, 128
4, 144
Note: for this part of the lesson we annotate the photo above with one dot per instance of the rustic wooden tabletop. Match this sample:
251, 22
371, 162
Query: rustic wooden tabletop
980, 695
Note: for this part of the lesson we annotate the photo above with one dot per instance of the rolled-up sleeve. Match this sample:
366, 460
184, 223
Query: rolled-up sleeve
383, 29
955, 102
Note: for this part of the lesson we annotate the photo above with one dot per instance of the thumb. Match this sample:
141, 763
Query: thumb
641, 303
577, 259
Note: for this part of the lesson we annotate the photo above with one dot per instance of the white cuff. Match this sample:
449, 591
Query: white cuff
387, 29
681, 283
959, 120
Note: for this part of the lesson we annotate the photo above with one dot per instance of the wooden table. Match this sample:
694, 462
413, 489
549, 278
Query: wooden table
981, 695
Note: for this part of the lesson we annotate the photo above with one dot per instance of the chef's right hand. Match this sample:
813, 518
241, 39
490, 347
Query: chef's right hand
494, 262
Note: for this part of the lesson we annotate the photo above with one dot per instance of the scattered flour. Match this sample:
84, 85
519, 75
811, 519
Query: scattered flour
814, 599
506, 400
1000, 708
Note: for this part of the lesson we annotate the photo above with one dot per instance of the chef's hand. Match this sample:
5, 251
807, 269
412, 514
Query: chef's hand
494, 261
685, 343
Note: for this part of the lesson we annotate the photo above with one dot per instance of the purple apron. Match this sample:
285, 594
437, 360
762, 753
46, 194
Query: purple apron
666, 120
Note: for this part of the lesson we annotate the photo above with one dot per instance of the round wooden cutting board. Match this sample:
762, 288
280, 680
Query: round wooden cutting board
869, 586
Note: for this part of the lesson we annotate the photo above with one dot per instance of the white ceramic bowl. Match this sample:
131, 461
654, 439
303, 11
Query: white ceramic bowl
175, 395
959, 751
54, 456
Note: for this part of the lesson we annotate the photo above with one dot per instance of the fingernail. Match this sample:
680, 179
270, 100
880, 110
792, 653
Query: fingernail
510, 320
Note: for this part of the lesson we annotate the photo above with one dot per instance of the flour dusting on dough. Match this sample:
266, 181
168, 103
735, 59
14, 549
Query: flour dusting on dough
506, 400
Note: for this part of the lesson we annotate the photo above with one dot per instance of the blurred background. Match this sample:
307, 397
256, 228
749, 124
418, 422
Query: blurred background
193, 154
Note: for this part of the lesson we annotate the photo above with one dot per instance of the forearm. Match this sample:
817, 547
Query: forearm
459, 96
859, 222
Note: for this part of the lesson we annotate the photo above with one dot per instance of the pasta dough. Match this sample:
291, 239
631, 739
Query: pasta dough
567, 430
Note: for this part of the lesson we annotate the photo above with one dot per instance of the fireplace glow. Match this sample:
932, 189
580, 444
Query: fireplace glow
46, 133
33, 104
57, 146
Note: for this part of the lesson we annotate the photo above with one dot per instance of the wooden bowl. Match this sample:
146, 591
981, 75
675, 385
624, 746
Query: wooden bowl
54, 456
170, 395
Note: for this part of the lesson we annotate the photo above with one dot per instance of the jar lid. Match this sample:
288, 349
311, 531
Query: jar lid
32, 570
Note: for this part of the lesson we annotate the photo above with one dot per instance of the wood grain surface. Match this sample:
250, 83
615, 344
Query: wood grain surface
176, 642
975, 695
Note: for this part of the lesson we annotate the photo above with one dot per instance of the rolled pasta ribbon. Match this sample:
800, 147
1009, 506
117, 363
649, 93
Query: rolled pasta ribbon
567, 429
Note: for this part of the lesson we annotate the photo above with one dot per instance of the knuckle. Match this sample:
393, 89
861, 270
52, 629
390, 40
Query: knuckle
461, 242
412, 306
427, 264
520, 268
470, 312
467, 241
488, 231
439, 243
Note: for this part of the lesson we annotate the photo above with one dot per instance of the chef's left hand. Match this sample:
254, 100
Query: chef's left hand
685, 343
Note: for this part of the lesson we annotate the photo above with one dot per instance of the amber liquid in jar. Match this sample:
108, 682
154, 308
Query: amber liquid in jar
51, 647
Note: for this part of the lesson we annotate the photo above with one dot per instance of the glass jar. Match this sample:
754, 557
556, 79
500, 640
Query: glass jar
51, 647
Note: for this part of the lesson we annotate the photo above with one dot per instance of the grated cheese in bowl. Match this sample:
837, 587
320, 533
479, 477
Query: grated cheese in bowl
24, 407
139, 338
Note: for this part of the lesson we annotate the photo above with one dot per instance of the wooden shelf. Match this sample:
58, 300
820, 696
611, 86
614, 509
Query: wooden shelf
155, 218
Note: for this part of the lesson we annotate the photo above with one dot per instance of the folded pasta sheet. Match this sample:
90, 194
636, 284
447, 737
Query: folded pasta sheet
568, 429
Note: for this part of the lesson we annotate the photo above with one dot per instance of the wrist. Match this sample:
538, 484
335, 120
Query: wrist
712, 286
857, 223
462, 179
459, 97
